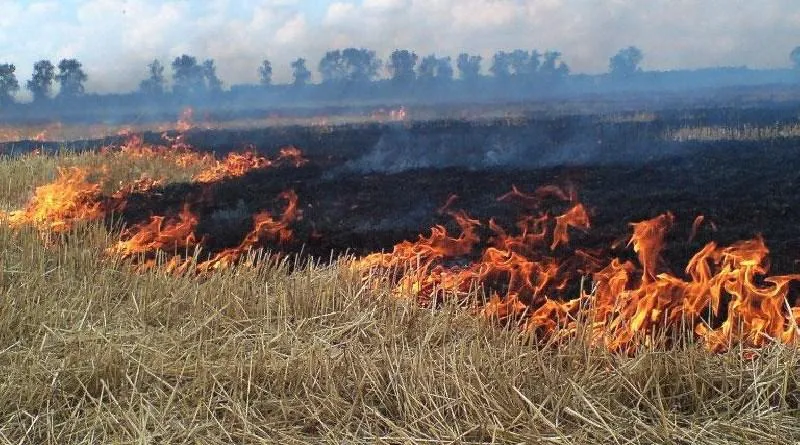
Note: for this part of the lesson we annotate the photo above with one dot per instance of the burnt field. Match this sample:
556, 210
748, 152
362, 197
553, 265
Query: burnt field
584, 278
370, 186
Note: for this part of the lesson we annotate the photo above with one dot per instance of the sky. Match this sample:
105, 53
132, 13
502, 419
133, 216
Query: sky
116, 39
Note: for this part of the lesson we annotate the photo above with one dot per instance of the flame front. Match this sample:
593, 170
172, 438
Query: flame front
631, 305
526, 275
159, 234
265, 229
59, 205
239, 164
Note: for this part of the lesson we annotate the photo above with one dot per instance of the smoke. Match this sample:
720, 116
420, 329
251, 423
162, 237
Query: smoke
476, 147
115, 39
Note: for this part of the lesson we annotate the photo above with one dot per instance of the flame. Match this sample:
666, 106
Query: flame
239, 164
185, 120
725, 299
526, 274
265, 228
292, 155
235, 164
576, 217
158, 234
59, 205
177, 152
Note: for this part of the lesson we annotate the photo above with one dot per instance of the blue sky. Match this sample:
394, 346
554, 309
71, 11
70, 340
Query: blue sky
115, 39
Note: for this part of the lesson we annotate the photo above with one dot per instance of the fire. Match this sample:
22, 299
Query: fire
526, 274
292, 155
159, 234
265, 229
162, 236
239, 164
177, 152
185, 120
59, 205
235, 164
725, 299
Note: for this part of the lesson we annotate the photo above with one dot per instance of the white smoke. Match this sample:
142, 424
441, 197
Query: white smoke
115, 39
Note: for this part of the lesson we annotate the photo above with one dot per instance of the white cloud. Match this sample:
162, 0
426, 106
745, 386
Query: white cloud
115, 39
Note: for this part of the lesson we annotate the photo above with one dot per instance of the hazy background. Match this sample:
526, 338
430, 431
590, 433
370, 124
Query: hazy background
115, 39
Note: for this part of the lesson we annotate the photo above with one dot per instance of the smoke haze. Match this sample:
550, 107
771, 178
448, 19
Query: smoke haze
115, 39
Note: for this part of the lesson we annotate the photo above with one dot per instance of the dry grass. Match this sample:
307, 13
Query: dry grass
93, 353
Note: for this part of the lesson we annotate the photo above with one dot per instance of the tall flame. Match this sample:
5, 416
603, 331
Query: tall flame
630, 305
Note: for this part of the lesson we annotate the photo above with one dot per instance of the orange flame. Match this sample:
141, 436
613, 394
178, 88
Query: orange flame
159, 234
629, 305
239, 164
59, 205
265, 228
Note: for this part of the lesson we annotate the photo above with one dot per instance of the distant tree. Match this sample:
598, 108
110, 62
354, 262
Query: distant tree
444, 69
155, 84
41, 82
71, 78
352, 65
427, 68
469, 67
213, 83
534, 62
795, 57
362, 64
401, 66
501, 65
552, 67
626, 62
8, 84
265, 73
332, 67
435, 69
519, 63
188, 78
300, 73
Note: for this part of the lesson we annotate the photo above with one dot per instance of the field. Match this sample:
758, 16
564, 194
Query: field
156, 293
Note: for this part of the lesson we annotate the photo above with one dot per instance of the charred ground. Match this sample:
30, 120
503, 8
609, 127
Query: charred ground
370, 186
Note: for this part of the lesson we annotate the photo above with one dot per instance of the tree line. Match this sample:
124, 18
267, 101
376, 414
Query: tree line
349, 67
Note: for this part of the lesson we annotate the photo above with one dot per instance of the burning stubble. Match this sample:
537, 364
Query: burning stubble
526, 277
